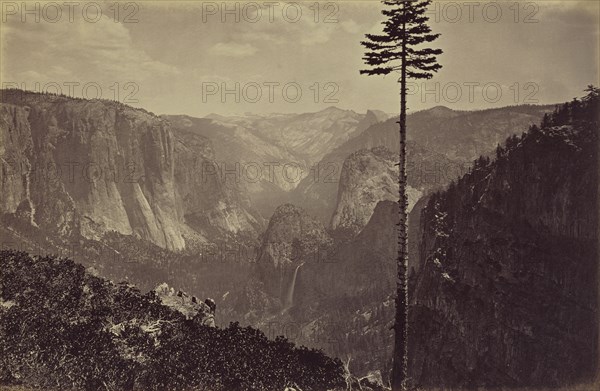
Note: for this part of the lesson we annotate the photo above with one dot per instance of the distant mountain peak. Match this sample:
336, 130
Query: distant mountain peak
215, 116
333, 109
376, 116
441, 111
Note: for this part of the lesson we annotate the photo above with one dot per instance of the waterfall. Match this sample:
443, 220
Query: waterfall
290, 296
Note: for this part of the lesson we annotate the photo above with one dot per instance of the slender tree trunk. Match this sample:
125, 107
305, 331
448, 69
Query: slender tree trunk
399, 371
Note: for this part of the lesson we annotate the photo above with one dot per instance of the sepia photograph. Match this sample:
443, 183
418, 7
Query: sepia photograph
350, 195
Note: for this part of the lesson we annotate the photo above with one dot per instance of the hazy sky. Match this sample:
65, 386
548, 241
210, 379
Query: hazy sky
177, 57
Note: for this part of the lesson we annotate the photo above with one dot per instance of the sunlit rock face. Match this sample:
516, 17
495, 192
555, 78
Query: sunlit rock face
89, 167
368, 177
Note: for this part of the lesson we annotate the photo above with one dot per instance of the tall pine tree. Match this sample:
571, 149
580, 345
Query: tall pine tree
402, 48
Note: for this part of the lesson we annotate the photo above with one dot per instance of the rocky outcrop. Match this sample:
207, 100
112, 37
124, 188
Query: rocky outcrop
371, 118
507, 294
88, 167
291, 237
368, 177
188, 306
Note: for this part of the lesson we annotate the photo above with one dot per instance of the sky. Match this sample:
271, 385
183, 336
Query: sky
197, 58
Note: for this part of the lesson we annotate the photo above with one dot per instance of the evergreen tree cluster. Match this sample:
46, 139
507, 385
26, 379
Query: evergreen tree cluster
63, 328
514, 239
579, 118
19, 96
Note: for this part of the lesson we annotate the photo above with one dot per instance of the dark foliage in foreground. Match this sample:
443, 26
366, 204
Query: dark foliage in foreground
62, 328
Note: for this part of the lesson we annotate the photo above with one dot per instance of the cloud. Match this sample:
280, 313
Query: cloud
78, 51
350, 26
170, 53
201, 77
316, 36
264, 37
315, 33
576, 13
33, 75
232, 49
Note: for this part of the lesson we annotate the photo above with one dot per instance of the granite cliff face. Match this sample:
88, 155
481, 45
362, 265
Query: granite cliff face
15, 149
368, 176
89, 167
291, 237
507, 293
212, 206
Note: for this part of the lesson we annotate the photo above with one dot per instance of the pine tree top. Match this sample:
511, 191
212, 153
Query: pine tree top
402, 43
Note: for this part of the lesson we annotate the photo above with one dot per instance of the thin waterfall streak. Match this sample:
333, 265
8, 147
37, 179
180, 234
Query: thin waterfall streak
290, 296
